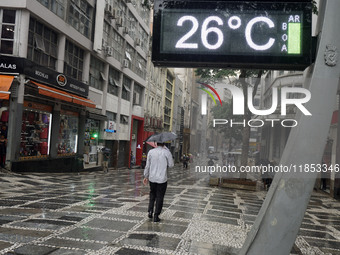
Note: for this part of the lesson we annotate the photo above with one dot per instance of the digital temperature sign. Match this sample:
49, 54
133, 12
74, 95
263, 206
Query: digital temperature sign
230, 34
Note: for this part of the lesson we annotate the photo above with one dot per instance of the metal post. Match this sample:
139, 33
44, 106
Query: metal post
282, 212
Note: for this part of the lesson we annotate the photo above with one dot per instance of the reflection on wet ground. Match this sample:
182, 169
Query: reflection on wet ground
98, 213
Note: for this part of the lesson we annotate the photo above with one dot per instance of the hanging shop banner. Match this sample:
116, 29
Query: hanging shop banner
43, 74
37, 106
55, 79
11, 65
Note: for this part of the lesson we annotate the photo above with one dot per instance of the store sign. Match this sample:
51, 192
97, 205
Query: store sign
70, 113
252, 34
43, 74
111, 127
48, 76
11, 65
61, 80
37, 106
110, 131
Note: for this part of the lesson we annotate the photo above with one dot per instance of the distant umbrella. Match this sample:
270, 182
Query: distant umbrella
106, 150
162, 137
214, 157
153, 144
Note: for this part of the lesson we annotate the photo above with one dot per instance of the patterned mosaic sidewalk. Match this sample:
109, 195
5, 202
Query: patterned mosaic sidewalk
100, 214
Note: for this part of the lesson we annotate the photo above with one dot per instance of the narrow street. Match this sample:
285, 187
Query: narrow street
99, 213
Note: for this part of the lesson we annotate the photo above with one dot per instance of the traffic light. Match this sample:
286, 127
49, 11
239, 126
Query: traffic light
94, 136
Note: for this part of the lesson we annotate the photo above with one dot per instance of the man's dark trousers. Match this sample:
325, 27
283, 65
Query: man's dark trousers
157, 192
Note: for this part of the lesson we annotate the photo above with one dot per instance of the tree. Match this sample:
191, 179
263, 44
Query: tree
247, 115
212, 75
229, 133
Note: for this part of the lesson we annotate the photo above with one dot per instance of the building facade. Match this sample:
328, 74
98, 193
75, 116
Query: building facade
274, 137
186, 75
77, 77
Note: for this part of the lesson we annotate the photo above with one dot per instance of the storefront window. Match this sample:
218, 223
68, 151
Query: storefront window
91, 141
4, 115
68, 133
35, 130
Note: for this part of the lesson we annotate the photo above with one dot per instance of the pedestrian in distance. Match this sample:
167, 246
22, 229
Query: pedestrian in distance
143, 160
210, 163
191, 158
185, 160
132, 160
155, 172
106, 157
3, 144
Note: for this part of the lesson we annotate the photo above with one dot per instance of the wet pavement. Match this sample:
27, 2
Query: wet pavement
106, 213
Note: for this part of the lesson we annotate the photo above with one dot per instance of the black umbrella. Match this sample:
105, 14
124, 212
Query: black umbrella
106, 150
214, 157
162, 137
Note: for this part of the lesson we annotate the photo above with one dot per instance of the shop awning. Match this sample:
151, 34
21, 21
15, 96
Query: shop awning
83, 101
5, 84
96, 116
52, 92
62, 95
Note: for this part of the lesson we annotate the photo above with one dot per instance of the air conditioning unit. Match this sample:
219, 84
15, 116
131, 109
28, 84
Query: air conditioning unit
126, 63
128, 1
109, 50
115, 14
119, 22
108, 8
125, 30
138, 42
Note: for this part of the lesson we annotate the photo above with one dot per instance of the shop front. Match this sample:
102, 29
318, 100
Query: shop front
109, 135
35, 131
92, 148
5, 84
50, 109
136, 141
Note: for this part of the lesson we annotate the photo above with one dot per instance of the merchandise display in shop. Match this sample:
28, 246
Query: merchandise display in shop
68, 134
35, 133
91, 141
4, 114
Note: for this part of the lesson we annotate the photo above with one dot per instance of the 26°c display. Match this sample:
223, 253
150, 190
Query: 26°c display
249, 34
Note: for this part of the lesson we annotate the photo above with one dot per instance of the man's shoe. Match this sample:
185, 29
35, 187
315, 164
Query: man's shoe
150, 215
156, 219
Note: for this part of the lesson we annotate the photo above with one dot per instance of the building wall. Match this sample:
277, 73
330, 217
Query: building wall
97, 44
273, 139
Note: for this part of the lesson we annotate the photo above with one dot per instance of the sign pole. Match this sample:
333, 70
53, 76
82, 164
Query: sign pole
279, 220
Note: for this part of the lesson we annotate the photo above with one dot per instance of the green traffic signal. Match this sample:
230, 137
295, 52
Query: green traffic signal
94, 136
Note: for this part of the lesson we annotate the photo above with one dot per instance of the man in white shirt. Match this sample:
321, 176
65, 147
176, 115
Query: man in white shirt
158, 160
